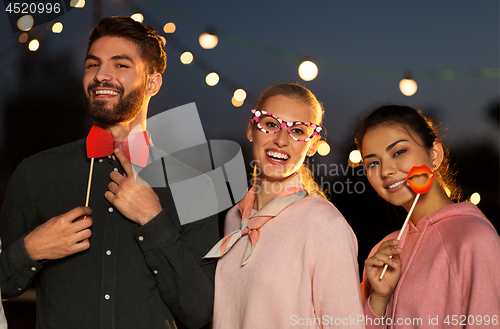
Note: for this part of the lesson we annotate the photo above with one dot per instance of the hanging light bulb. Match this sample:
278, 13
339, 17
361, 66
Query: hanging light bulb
323, 148
236, 103
208, 40
187, 58
308, 71
212, 79
137, 17
23, 37
408, 86
57, 27
169, 28
33, 45
355, 156
475, 198
25, 23
240, 95
77, 3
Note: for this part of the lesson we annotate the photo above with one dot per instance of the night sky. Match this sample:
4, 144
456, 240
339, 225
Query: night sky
362, 49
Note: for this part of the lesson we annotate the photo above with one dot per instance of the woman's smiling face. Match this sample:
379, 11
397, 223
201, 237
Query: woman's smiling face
389, 153
278, 155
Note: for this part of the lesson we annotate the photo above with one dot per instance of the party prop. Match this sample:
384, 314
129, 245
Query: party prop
90, 182
419, 189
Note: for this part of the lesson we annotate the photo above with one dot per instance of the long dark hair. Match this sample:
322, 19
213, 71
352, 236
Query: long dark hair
414, 121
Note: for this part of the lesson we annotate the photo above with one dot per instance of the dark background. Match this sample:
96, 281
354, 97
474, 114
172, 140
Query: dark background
362, 48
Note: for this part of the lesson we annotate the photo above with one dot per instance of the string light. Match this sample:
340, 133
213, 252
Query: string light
408, 86
77, 3
475, 198
137, 17
308, 71
33, 45
23, 37
57, 27
355, 156
212, 79
186, 58
25, 23
323, 148
169, 28
240, 95
235, 102
208, 40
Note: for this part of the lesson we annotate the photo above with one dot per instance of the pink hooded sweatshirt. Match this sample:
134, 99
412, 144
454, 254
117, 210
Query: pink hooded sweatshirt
450, 274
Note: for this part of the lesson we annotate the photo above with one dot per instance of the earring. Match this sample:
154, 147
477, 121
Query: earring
251, 140
434, 166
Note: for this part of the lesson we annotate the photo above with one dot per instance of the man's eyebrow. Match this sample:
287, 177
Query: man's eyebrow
387, 149
116, 57
92, 57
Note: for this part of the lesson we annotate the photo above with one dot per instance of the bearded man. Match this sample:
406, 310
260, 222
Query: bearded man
125, 261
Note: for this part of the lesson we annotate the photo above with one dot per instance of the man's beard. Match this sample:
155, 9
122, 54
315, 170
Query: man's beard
126, 110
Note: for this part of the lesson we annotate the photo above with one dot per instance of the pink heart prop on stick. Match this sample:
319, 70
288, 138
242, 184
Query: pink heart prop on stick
419, 189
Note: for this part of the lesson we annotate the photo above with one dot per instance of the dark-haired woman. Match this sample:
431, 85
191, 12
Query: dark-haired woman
444, 272
289, 256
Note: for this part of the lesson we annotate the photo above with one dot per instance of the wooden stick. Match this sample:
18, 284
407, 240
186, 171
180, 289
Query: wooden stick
402, 229
90, 181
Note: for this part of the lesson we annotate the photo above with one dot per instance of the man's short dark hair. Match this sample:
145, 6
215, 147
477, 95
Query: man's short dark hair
149, 42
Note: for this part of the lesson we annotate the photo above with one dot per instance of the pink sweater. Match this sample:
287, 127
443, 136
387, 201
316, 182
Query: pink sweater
450, 273
303, 274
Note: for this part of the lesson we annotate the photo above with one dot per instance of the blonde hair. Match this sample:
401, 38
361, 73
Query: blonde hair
293, 90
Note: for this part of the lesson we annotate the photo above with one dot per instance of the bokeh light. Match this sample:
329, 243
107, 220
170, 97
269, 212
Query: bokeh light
308, 71
355, 156
25, 23
186, 58
33, 45
236, 103
23, 37
323, 148
212, 79
408, 87
77, 3
208, 41
137, 17
475, 198
57, 27
240, 95
169, 28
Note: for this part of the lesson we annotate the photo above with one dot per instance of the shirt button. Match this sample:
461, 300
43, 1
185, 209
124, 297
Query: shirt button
113, 157
116, 169
108, 252
33, 269
141, 238
107, 296
109, 156
110, 209
19, 289
100, 160
155, 272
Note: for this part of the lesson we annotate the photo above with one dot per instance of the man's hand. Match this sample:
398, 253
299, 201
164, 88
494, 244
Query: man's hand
60, 236
136, 201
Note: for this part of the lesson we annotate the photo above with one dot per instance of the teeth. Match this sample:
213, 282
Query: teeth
105, 92
277, 155
396, 184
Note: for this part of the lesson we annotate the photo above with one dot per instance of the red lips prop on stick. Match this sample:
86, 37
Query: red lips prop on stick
419, 189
